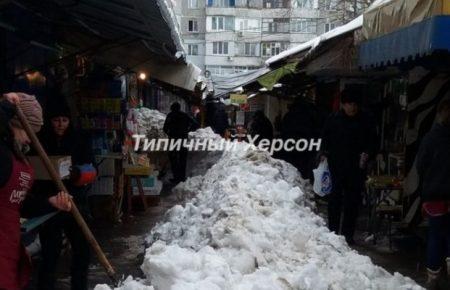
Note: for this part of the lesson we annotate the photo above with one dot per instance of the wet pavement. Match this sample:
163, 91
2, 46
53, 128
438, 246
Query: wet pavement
123, 244
405, 254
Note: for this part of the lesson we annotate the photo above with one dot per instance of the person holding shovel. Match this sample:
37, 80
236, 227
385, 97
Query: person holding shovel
16, 179
59, 137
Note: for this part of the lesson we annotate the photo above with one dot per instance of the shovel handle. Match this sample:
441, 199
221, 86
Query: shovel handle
60, 185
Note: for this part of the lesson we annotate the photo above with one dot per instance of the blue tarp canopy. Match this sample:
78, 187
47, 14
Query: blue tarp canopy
417, 40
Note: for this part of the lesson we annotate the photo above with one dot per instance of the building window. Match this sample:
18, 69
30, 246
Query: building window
193, 4
251, 49
247, 49
329, 26
213, 69
238, 69
276, 3
248, 24
218, 23
226, 70
330, 5
303, 25
220, 48
220, 69
273, 48
243, 24
275, 25
222, 23
192, 49
221, 3
307, 4
193, 26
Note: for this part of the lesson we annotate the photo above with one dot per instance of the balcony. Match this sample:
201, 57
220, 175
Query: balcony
276, 4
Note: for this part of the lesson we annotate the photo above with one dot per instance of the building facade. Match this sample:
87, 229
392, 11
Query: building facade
230, 36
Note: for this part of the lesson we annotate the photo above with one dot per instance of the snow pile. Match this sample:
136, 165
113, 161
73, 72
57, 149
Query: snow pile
150, 122
128, 284
205, 133
200, 161
250, 226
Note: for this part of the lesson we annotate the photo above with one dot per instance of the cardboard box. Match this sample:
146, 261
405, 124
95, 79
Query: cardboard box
152, 186
61, 164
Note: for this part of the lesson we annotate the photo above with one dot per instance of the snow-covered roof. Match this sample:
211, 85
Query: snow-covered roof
313, 43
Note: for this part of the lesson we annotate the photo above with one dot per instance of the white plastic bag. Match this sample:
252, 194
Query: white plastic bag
322, 179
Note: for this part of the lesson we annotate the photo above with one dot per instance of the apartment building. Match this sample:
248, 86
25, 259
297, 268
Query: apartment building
230, 36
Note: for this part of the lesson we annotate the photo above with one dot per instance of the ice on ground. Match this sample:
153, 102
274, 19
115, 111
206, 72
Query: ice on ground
133, 246
250, 224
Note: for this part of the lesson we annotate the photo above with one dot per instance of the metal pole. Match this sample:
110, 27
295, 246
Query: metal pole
60, 185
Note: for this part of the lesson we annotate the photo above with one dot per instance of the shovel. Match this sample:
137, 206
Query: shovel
60, 185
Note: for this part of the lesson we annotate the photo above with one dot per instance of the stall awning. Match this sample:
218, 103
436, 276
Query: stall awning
417, 40
270, 79
226, 84
133, 34
392, 15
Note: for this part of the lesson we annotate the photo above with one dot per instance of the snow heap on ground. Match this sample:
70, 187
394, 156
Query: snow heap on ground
150, 122
251, 226
200, 161
128, 284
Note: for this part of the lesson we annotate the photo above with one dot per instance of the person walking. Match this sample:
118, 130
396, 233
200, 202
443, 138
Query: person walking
260, 126
216, 117
16, 179
347, 143
433, 166
177, 126
302, 121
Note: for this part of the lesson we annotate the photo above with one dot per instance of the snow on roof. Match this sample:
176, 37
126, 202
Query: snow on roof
313, 43
167, 11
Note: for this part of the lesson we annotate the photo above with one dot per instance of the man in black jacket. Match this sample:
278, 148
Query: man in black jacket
260, 126
216, 117
433, 166
347, 142
177, 126
303, 121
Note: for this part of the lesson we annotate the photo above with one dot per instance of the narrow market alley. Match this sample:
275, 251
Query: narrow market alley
225, 145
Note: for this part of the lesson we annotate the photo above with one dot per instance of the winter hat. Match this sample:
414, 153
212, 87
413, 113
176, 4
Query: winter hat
349, 95
58, 109
32, 111
175, 107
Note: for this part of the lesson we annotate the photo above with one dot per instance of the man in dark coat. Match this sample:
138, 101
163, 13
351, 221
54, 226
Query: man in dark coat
302, 121
216, 117
177, 126
348, 140
433, 166
260, 126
